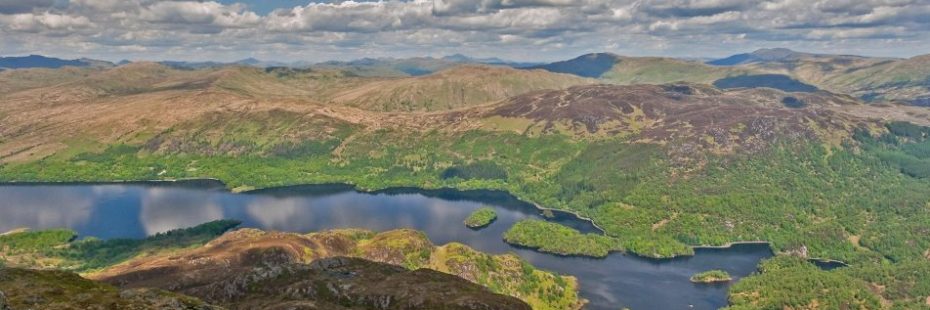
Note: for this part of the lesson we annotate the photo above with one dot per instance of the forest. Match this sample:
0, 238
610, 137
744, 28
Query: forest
862, 202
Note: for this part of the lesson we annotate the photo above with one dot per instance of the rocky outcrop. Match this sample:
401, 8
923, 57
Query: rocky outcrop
349, 283
3, 305
398, 269
51, 290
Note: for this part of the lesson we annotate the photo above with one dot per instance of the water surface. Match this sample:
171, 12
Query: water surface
139, 210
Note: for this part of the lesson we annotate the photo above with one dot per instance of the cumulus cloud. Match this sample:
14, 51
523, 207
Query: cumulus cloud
29, 22
523, 29
199, 13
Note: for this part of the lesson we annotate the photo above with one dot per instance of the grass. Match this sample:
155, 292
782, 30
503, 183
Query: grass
504, 274
795, 194
59, 247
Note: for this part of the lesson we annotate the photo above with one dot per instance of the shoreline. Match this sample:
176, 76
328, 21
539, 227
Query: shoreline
363, 190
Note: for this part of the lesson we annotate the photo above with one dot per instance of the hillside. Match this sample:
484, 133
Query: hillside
47, 289
865, 77
871, 79
678, 113
249, 268
12, 81
457, 87
38, 61
661, 168
590, 65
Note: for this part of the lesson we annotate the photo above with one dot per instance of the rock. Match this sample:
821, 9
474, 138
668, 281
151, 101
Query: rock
3, 304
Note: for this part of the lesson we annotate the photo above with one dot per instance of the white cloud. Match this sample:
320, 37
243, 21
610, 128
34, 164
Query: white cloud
525, 29
29, 22
199, 13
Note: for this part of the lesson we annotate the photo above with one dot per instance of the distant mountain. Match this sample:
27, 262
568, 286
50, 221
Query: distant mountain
251, 62
762, 55
38, 61
590, 65
489, 61
456, 87
414, 66
776, 81
869, 78
777, 55
617, 69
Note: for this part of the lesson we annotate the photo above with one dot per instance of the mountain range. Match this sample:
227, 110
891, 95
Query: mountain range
823, 157
869, 78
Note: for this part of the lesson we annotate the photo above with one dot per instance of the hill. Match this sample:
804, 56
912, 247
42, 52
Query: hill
414, 66
590, 65
48, 289
775, 55
871, 79
452, 88
12, 81
661, 168
38, 61
339, 269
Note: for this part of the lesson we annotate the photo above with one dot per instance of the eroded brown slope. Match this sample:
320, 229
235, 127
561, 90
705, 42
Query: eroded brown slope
250, 268
457, 87
688, 113
132, 104
54, 290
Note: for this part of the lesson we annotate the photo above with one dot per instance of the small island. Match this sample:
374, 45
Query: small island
711, 276
481, 218
557, 239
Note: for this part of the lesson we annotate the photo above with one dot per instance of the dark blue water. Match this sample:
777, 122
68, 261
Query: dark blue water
138, 210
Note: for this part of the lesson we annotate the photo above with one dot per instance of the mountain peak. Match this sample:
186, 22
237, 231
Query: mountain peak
457, 58
38, 61
760, 55
588, 65
775, 53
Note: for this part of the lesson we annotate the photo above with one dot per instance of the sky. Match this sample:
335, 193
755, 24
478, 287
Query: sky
521, 30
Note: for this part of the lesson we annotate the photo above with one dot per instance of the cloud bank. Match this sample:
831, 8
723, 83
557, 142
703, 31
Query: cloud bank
516, 29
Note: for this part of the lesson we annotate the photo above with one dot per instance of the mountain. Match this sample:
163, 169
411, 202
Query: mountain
251, 62
590, 65
488, 61
12, 81
455, 87
251, 269
37, 61
776, 81
617, 69
662, 168
51, 289
762, 55
415, 66
871, 79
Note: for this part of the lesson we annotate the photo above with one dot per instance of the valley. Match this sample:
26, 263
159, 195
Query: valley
650, 149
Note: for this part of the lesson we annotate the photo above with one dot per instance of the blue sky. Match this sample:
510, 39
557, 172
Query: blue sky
524, 30
266, 6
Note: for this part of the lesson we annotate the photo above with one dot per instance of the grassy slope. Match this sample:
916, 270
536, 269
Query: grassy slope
859, 202
452, 88
503, 274
652, 70
873, 78
48, 289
